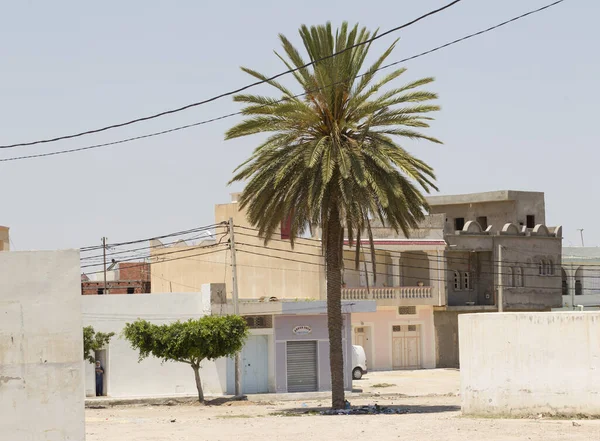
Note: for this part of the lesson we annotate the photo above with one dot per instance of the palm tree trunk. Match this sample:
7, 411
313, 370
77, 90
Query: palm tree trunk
196, 369
334, 309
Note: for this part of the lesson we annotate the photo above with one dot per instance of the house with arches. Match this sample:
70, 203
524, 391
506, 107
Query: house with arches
496, 243
580, 277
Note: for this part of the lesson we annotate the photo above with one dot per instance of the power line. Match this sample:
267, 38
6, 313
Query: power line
150, 135
225, 94
131, 242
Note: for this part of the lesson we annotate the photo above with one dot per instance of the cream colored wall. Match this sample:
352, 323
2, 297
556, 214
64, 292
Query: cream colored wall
262, 271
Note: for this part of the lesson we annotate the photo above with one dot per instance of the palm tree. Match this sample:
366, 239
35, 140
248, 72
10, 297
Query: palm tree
332, 160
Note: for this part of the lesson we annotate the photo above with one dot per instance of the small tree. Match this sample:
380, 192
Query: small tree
189, 342
94, 341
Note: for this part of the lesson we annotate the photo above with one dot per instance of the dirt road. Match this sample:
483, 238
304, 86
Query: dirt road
429, 418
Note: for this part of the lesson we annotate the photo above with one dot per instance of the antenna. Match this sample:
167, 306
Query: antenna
581, 233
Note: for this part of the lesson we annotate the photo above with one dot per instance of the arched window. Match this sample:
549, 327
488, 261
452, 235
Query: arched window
456, 281
550, 267
467, 280
510, 277
541, 268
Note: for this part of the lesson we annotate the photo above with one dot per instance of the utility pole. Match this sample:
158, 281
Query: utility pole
236, 308
581, 234
104, 254
500, 281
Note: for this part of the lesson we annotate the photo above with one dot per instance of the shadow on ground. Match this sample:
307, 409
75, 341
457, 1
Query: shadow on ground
395, 410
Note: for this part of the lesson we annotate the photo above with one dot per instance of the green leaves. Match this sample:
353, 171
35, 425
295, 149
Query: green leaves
94, 341
190, 342
339, 143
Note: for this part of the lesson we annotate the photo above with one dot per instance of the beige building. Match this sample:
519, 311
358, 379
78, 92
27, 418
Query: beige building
263, 271
4, 239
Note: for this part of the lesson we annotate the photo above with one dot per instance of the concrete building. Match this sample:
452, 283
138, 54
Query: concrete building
4, 239
580, 277
526, 364
449, 266
409, 283
478, 227
41, 346
287, 351
121, 278
262, 271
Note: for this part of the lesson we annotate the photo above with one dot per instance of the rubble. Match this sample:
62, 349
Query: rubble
373, 409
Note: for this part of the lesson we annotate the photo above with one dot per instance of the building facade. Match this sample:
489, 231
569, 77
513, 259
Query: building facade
4, 239
498, 249
121, 278
580, 277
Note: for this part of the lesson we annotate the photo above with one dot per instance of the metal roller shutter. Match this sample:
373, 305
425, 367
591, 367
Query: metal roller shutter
302, 366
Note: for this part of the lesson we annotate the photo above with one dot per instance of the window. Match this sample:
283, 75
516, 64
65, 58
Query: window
510, 277
578, 288
359, 330
286, 228
100, 291
259, 321
456, 281
130, 290
482, 220
407, 310
459, 223
412, 328
565, 288
396, 328
467, 281
550, 267
541, 268
530, 221
518, 276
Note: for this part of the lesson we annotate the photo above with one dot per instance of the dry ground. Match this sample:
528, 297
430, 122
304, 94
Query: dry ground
429, 417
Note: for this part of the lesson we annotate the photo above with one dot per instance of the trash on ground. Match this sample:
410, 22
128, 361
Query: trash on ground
374, 409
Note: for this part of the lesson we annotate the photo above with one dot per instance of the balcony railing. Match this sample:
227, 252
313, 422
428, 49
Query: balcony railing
387, 293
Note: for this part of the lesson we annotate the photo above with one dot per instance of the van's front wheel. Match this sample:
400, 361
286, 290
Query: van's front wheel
357, 373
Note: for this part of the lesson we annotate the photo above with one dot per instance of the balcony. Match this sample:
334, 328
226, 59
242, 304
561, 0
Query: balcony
392, 296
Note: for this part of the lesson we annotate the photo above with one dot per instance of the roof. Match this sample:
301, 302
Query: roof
580, 253
488, 196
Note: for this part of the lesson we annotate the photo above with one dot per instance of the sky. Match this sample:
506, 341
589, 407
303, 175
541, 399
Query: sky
518, 106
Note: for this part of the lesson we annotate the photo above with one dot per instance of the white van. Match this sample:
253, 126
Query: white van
359, 362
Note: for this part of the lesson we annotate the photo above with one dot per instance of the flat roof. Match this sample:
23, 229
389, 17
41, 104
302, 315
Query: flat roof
488, 196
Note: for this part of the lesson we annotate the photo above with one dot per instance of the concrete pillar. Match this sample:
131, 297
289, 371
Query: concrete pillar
397, 270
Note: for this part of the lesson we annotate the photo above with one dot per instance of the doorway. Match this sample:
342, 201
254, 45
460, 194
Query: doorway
102, 357
255, 365
406, 346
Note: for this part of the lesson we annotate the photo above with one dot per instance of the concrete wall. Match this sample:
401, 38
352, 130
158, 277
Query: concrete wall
261, 271
283, 327
530, 363
499, 207
41, 347
379, 336
125, 377
446, 339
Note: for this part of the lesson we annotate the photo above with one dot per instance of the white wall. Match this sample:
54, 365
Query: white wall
41, 366
125, 377
530, 363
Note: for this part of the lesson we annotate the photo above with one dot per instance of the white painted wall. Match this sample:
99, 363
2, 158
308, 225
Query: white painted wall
530, 363
41, 347
125, 377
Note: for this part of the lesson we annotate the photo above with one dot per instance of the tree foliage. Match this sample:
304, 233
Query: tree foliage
332, 157
190, 342
94, 341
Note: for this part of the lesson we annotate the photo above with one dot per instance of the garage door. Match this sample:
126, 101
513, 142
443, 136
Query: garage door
255, 365
302, 366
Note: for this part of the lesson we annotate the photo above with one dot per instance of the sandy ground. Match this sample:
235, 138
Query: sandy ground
429, 417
